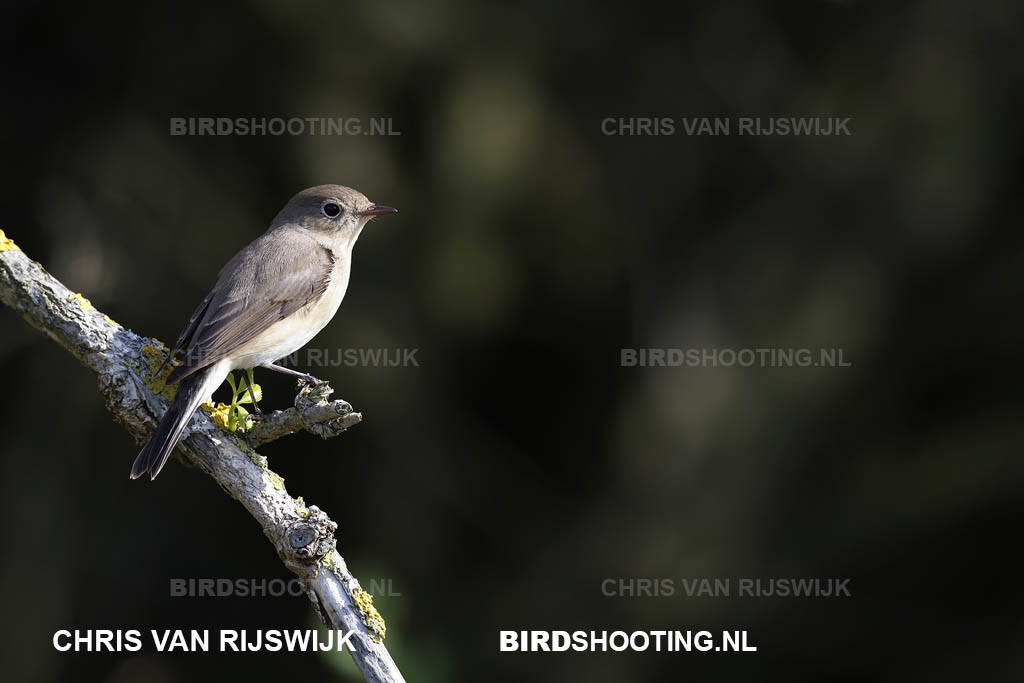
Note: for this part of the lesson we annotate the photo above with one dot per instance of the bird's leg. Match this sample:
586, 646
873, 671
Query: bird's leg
305, 378
255, 406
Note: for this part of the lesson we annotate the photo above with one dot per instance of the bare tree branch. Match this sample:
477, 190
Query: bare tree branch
124, 363
312, 413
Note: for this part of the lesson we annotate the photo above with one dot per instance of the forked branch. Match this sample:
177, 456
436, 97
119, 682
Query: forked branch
123, 362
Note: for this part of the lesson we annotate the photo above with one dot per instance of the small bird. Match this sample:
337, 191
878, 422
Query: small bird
269, 301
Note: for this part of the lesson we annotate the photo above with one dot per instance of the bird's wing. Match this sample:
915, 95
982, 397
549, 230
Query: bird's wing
271, 278
193, 324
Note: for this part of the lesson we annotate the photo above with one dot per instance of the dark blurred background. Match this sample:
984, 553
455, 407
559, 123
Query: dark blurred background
497, 484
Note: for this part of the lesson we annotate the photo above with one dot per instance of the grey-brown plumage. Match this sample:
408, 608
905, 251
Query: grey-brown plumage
269, 301
273, 277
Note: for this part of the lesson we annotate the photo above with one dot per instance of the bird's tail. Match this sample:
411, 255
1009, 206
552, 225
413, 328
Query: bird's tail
191, 392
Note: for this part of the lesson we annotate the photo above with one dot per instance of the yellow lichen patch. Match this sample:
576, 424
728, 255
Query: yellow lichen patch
371, 617
218, 413
259, 460
82, 301
276, 480
156, 376
110, 321
155, 351
7, 244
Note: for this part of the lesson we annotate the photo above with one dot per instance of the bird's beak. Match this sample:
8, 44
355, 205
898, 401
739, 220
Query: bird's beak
376, 210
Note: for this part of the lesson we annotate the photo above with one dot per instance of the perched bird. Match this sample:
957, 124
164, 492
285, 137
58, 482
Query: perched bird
269, 301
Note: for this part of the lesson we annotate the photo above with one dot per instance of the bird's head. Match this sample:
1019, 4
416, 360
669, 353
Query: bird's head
336, 211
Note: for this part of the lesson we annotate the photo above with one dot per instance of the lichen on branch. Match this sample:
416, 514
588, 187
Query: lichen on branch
134, 392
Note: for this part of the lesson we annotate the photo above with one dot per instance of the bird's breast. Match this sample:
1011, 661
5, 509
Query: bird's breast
319, 312
291, 333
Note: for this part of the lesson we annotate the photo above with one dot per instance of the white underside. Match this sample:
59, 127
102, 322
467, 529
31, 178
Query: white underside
292, 333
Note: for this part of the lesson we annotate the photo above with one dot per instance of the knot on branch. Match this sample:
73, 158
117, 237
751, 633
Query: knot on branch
321, 416
137, 395
313, 412
311, 539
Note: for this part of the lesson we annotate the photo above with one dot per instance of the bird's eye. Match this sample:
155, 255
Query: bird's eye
331, 210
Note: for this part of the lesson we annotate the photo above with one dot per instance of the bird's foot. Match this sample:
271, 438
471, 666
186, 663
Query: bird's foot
306, 383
